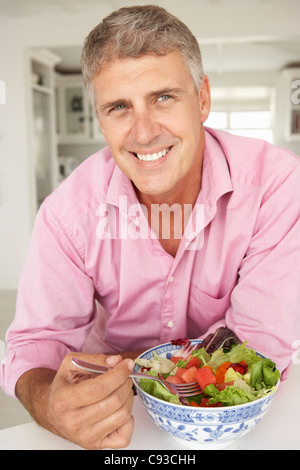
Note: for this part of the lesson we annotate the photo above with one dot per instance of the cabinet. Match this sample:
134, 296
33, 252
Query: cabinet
42, 135
60, 119
76, 122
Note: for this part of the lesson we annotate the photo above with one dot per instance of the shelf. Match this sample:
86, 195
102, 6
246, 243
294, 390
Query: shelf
77, 123
42, 89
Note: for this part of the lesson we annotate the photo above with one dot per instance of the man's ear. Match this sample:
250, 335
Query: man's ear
204, 98
101, 126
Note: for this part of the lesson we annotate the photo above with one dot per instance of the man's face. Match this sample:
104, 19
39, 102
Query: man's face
150, 115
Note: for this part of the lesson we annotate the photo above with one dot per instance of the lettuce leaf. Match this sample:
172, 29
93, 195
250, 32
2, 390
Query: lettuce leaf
231, 396
157, 390
222, 338
200, 354
237, 353
240, 353
217, 358
264, 374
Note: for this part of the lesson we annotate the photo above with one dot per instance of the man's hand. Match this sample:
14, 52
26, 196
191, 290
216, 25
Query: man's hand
91, 410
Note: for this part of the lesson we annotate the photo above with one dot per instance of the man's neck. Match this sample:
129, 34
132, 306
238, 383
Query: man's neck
168, 213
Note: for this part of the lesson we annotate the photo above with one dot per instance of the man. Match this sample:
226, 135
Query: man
102, 279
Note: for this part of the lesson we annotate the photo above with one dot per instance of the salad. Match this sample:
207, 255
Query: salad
227, 376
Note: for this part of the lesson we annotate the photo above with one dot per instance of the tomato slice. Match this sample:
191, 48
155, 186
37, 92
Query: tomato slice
175, 380
238, 368
193, 362
180, 371
189, 375
205, 377
205, 403
175, 359
193, 403
222, 386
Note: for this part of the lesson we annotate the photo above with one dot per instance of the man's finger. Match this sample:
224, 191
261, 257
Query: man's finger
75, 374
118, 427
100, 386
102, 409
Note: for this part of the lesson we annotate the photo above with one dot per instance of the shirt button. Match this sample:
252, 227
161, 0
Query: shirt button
171, 279
170, 324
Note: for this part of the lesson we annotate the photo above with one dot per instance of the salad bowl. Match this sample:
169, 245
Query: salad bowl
207, 428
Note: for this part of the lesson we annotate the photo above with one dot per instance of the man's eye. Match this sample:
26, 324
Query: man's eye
164, 98
119, 107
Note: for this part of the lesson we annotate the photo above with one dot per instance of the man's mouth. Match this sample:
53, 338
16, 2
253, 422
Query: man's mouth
151, 157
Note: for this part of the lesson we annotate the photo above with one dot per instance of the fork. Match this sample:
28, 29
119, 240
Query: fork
182, 390
186, 350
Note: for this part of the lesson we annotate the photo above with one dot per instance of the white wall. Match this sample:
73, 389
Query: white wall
14, 190
15, 173
62, 28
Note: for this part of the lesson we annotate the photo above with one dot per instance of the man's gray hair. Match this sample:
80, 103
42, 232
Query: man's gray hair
134, 32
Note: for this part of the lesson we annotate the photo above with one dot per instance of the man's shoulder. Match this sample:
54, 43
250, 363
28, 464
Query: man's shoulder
256, 162
84, 189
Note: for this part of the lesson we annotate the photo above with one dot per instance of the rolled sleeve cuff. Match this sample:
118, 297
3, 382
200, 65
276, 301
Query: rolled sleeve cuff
46, 354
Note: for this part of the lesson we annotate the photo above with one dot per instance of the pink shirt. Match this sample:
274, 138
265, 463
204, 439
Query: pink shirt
81, 291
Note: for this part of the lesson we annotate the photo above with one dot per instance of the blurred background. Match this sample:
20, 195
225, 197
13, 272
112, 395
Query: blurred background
251, 52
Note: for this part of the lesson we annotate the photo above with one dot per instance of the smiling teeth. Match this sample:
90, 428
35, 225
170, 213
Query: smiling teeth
153, 156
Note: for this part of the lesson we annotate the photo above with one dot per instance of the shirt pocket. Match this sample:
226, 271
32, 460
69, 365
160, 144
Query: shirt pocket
204, 310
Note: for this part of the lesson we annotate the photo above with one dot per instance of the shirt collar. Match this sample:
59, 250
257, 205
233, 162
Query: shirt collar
215, 183
120, 186
216, 180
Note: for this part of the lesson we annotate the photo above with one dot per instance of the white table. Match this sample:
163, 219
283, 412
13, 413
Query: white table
278, 430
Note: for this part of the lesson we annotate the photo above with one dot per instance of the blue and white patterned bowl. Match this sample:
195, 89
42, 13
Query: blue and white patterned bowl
201, 428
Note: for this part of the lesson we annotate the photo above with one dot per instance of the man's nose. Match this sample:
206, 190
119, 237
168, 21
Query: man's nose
145, 127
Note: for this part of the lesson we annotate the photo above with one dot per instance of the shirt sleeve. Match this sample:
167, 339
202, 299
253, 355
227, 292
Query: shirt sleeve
265, 303
55, 305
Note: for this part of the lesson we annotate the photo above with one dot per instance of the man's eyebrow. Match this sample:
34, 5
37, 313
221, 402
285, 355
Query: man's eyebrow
166, 91
125, 102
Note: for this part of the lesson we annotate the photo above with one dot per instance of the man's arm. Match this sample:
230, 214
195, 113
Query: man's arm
93, 411
265, 303
32, 389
